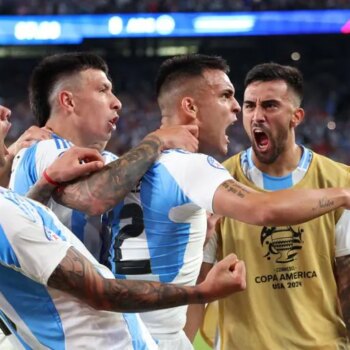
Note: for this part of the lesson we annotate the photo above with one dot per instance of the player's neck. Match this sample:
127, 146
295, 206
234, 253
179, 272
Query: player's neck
284, 164
73, 135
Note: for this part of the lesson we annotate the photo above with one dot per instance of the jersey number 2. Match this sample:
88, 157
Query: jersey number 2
130, 267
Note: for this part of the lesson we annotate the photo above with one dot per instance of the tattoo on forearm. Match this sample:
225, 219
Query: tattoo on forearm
40, 192
343, 281
236, 188
77, 276
324, 203
104, 189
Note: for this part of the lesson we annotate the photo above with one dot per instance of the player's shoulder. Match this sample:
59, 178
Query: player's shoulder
232, 162
175, 152
179, 157
109, 156
325, 162
13, 203
42, 152
55, 144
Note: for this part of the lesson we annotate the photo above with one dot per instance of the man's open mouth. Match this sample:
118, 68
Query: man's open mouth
261, 139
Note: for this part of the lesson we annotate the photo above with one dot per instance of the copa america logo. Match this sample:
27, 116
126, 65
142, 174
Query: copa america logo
283, 242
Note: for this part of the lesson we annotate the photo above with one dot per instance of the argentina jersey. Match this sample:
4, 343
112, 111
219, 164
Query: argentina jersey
274, 183
33, 243
159, 232
28, 167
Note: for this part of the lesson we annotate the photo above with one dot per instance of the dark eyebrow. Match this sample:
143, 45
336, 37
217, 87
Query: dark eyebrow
263, 103
229, 90
267, 102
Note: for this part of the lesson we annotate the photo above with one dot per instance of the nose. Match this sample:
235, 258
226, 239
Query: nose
236, 108
258, 114
116, 104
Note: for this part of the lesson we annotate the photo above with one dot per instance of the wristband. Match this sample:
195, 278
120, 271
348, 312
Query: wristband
49, 180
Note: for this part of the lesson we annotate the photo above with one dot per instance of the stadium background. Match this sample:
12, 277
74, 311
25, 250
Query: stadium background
322, 57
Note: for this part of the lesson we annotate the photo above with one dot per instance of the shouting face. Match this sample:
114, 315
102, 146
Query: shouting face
270, 113
217, 110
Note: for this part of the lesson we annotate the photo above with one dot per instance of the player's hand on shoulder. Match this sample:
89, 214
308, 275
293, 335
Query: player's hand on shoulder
30, 136
226, 277
179, 136
74, 163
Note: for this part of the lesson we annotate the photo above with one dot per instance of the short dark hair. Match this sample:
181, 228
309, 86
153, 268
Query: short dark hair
50, 70
191, 65
274, 71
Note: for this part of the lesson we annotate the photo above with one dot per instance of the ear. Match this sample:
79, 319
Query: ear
66, 100
189, 107
298, 117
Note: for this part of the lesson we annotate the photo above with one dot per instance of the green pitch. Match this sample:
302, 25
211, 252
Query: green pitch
200, 344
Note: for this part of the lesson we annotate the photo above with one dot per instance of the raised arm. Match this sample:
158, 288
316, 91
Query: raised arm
77, 276
103, 190
286, 207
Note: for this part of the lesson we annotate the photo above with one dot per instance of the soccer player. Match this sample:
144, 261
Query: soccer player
71, 95
53, 292
158, 234
296, 273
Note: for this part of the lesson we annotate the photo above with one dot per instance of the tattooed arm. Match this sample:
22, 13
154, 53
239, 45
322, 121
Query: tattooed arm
343, 281
286, 207
101, 191
77, 276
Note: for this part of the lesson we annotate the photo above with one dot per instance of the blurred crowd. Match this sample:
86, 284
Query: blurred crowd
21, 7
325, 129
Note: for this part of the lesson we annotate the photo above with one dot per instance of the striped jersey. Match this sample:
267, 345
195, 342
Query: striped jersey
28, 167
158, 233
33, 243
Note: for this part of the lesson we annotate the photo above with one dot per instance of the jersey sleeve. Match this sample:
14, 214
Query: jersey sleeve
209, 254
342, 235
199, 176
30, 163
33, 240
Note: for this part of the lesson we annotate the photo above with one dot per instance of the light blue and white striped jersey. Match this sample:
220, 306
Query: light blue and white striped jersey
33, 242
159, 232
28, 167
272, 183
